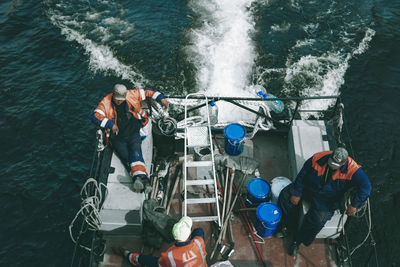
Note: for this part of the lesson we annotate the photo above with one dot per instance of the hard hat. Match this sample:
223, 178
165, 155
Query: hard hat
182, 229
119, 92
338, 157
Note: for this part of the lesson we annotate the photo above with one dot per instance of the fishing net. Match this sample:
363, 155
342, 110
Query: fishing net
157, 225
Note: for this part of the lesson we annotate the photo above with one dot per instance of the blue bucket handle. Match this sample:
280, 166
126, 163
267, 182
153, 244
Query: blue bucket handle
266, 227
235, 142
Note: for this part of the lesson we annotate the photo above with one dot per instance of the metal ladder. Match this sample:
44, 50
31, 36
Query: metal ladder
199, 136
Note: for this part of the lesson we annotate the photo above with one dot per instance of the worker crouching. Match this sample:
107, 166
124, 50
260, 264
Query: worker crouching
189, 249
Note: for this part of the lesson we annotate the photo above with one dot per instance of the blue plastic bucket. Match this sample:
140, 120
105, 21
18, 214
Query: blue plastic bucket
268, 215
234, 138
258, 190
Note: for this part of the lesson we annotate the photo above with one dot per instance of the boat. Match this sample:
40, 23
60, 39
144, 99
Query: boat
204, 170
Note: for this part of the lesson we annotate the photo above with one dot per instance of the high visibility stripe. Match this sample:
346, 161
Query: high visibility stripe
138, 173
142, 95
156, 94
104, 122
201, 251
171, 259
136, 163
139, 117
100, 112
141, 112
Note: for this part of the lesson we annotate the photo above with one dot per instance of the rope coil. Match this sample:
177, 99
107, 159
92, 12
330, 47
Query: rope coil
90, 208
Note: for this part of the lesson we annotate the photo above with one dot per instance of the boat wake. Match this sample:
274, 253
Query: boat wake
99, 33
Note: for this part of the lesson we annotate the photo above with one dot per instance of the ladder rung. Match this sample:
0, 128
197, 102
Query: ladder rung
204, 219
205, 163
199, 182
200, 200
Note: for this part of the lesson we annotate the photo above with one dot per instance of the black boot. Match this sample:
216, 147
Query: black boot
281, 232
294, 248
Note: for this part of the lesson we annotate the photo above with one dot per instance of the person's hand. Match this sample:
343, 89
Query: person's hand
115, 129
164, 102
351, 211
295, 200
118, 251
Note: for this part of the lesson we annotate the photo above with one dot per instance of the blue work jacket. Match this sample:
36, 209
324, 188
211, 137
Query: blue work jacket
328, 196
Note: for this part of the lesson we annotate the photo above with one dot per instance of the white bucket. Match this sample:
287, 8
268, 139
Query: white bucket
277, 184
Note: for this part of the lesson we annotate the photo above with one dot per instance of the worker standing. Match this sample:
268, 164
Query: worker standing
189, 249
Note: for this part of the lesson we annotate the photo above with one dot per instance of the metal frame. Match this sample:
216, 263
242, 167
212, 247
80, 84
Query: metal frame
200, 164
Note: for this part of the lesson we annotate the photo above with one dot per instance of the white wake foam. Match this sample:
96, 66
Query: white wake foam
94, 31
321, 76
222, 50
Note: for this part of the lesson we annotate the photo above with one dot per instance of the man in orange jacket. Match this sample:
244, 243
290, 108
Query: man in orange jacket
189, 249
122, 117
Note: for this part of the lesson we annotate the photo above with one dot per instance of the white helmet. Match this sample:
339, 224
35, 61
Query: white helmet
119, 92
182, 229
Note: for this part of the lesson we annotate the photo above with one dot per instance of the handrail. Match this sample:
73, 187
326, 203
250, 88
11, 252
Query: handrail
216, 98
233, 100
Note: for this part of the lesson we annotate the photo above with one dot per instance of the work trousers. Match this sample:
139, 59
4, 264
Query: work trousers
310, 226
128, 149
148, 260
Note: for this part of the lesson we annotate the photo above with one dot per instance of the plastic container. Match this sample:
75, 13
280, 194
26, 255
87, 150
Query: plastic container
277, 185
234, 138
258, 191
268, 217
213, 109
276, 106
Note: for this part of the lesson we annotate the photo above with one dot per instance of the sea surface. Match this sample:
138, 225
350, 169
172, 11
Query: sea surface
59, 58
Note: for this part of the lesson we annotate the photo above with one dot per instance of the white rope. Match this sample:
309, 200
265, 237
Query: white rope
191, 121
369, 230
90, 207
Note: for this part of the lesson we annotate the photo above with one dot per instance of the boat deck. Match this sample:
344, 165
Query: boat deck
273, 149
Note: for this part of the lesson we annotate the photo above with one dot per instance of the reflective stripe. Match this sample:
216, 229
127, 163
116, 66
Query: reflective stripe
201, 251
100, 112
138, 173
137, 163
142, 94
171, 259
139, 117
141, 111
104, 122
156, 94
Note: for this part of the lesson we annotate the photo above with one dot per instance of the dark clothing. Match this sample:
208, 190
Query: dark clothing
327, 196
128, 149
324, 188
312, 223
148, 260
127, 124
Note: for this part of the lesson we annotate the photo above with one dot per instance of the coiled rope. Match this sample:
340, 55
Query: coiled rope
361, 212
90, 207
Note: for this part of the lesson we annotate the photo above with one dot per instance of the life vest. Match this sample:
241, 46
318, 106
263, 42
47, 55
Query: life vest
105, 114
106, 111
190, 255
345, 172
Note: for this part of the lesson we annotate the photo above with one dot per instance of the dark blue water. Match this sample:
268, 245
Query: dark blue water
58, 58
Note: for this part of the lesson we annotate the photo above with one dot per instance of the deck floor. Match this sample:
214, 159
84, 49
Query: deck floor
273, 149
